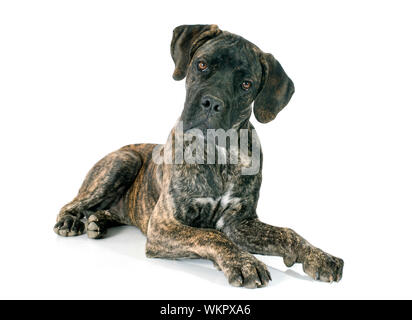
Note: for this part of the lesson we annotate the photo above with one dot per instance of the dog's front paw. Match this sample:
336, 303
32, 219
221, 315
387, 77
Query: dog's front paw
322, 266
69, 226
244, 270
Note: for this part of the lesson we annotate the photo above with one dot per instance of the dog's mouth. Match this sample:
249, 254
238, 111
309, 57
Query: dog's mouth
203, 125
197, 121
194, 117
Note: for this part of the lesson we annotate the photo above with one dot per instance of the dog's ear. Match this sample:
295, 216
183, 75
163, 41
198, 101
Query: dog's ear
275, 92
186, 40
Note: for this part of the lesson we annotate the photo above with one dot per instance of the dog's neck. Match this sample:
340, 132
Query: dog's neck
213, 147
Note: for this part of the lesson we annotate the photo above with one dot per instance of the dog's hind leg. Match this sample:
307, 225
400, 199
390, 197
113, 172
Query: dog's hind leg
98, 223
105, 184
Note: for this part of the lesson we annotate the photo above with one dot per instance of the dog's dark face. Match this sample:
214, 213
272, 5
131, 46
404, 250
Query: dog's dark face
225, 74
222, 81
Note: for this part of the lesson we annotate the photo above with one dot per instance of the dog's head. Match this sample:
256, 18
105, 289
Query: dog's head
224, 75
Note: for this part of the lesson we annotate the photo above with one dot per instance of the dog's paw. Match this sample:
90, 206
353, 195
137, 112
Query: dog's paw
95, 229
244, 270
69, 226
322, 266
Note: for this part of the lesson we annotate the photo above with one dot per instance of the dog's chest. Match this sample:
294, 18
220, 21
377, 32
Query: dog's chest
204, 194
208, 211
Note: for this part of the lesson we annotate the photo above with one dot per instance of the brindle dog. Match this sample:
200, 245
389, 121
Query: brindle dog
201, 210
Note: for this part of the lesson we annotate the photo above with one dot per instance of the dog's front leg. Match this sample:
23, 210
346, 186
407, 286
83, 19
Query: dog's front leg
257, 237
168, 238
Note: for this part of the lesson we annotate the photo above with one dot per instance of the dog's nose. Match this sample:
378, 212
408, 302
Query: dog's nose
212, 103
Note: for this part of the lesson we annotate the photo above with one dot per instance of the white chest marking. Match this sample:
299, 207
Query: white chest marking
224, 201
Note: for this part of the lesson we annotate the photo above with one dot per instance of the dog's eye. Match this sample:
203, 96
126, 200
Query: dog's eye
246, 85
202, 66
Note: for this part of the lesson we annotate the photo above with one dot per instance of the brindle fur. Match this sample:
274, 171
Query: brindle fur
201, 210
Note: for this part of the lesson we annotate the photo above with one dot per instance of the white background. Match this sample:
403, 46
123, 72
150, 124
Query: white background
79, 79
